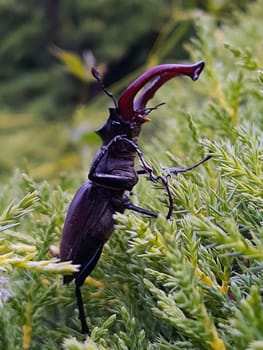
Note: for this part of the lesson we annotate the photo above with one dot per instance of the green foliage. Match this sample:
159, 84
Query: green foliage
120, 36
38, 95
194, 282
39, 148
31, 79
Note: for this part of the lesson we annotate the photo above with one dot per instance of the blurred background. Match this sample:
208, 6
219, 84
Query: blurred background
49, 103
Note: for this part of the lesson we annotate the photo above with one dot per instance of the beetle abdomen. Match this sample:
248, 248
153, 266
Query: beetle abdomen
88, 225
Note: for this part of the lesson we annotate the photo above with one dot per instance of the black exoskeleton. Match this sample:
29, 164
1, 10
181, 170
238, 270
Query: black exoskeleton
89, 222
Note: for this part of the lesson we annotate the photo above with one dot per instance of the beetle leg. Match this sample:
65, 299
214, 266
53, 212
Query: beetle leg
82, 318
119, 180
129, 205
103, 151
147, 169
176, 171
91, 261
79, 280
141, 172
164, 179
114, 182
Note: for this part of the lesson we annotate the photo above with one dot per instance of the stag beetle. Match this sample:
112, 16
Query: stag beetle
89, 222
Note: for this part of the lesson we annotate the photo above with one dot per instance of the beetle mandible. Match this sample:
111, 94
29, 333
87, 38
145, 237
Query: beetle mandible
90, 219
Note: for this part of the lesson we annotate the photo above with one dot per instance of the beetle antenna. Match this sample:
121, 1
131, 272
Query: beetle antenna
96, 75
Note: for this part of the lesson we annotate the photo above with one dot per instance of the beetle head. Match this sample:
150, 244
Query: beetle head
115, 125
130, 110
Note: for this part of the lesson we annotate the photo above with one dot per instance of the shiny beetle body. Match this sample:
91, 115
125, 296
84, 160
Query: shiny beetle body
89, 222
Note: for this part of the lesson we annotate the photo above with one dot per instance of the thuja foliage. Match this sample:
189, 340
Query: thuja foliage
32, 82
194, 282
